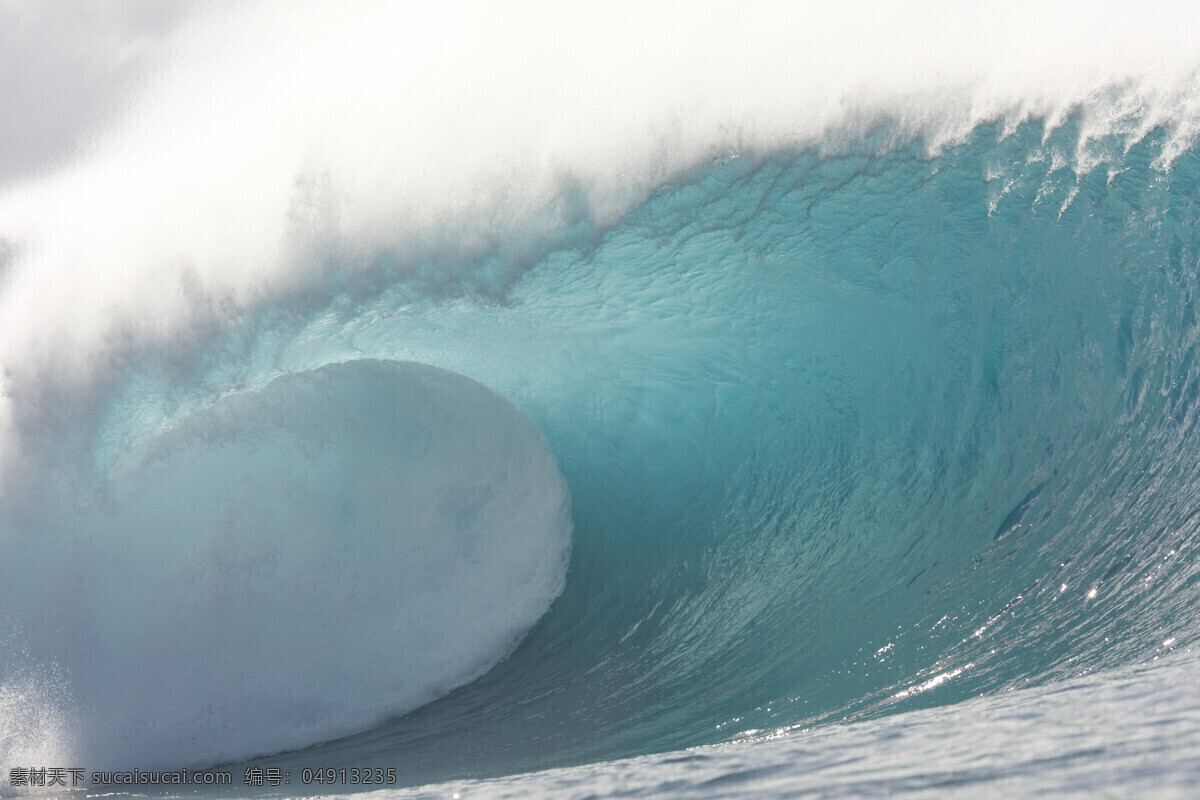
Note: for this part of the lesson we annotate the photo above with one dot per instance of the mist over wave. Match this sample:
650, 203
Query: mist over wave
866, 351
280, 146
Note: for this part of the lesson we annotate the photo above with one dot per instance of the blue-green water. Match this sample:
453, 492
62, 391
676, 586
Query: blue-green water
845, 434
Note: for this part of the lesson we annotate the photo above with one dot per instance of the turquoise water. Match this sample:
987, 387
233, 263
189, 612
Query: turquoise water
856, 468
845, 436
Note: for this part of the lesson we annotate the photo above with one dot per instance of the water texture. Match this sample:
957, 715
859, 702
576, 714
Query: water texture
703, 429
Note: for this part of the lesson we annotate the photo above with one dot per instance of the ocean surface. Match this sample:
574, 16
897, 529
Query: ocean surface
541, 427
1126, 733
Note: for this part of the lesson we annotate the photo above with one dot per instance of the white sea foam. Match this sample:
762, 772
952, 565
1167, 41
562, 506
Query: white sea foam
285, 567
35, 723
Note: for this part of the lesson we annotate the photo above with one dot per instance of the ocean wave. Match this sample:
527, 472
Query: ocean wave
869, 367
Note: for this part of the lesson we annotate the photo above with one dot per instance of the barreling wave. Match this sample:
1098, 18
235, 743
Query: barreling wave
844, 436
859, 406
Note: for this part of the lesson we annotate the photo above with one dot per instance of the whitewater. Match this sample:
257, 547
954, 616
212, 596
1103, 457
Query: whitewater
639, 399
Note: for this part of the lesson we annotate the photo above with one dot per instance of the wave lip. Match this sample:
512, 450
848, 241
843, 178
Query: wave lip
296, 563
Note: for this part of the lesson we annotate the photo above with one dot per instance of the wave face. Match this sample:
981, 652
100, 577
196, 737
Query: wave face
854, 412
844, 436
